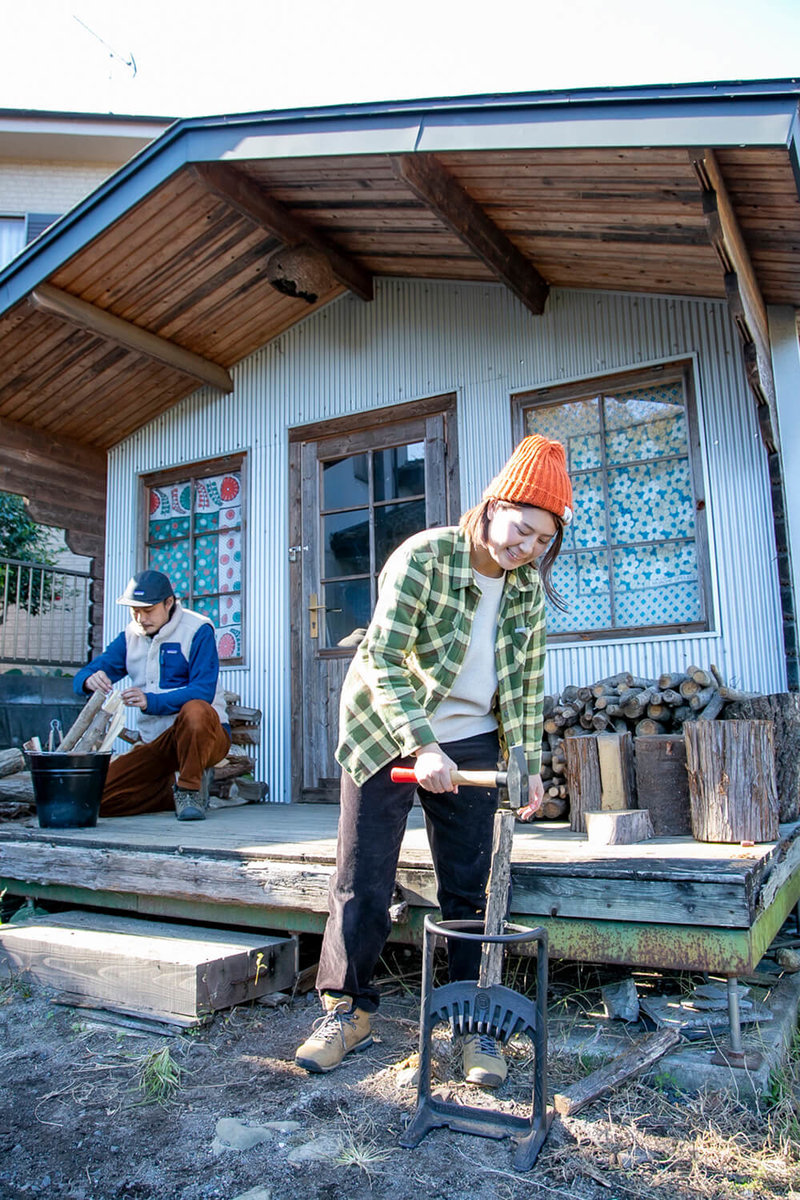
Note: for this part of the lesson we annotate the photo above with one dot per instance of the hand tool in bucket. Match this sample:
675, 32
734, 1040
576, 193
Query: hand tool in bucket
485, 1006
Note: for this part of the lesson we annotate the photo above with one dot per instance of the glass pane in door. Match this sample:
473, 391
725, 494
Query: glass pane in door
345, 540
371, 502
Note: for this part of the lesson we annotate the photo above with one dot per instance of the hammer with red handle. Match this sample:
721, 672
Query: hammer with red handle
515, 778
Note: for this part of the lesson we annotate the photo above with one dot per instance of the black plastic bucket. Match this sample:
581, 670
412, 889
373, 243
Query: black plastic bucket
68, 788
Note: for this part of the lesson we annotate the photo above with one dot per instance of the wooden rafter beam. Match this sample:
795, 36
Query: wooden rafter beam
745, 301
73, 310
257, 205
445, 196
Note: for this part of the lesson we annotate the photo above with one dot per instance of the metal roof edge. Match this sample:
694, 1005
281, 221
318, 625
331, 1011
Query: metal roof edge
651, 93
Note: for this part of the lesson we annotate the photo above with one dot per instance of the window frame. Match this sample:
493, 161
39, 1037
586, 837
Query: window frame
589, 389
203, 469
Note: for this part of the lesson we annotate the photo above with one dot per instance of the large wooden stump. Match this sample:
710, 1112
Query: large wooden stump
783, 708
732, 790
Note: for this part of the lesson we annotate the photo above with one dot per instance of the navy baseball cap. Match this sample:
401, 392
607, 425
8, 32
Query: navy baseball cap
146, 588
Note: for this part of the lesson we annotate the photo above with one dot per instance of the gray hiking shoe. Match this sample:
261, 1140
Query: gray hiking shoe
189, 805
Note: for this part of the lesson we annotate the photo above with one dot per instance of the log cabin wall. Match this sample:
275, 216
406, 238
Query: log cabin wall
65, 485
421, 339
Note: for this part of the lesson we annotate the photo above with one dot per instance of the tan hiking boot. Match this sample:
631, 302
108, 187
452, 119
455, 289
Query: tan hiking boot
483, 1061
340, 1031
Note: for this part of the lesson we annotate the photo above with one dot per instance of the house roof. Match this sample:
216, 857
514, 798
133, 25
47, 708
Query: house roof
39, 136
159, 279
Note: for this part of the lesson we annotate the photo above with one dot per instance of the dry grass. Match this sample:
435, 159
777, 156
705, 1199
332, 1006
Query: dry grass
647, 1141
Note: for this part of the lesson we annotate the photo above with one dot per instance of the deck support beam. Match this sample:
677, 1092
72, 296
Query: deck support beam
254, 203
745, 301
55, 302
442, 194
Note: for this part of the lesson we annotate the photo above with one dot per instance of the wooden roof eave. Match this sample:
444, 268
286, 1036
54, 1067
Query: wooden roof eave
407, 140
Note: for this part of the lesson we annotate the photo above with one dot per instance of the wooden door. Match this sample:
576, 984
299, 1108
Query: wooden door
358, 491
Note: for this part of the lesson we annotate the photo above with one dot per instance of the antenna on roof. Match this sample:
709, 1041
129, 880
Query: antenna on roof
130, 61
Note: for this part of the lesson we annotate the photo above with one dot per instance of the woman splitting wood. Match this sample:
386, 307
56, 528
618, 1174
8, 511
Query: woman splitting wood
450, 670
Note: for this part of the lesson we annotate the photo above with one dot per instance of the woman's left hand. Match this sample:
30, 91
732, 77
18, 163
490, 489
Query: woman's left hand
535, 798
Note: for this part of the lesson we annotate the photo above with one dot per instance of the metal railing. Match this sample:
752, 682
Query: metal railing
44, 614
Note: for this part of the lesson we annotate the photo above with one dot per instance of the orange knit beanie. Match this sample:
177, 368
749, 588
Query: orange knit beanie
535, 474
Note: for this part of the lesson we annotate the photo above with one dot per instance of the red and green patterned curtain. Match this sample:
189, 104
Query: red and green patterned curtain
195, 537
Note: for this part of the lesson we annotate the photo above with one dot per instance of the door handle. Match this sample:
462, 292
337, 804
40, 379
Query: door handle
313, 608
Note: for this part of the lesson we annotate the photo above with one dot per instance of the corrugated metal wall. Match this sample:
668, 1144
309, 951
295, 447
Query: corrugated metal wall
421, 339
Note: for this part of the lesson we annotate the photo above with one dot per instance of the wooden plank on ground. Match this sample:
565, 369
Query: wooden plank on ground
149, 967
632, 1062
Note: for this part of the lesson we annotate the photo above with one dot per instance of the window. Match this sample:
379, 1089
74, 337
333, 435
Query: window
12, 238
371, 502
16, 231
634, 557
193, 533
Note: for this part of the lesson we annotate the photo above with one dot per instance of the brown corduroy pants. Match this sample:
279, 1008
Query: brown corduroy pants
141, 780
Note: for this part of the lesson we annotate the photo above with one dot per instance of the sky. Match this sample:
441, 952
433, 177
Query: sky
198, 58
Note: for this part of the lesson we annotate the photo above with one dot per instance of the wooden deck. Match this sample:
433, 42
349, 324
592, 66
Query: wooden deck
667, 902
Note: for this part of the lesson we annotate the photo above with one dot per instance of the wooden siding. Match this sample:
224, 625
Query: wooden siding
186, 265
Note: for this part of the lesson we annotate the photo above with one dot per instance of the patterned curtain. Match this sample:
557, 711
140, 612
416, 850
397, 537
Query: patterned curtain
195, 537
629, 559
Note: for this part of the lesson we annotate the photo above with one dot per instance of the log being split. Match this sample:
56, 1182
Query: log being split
497, 897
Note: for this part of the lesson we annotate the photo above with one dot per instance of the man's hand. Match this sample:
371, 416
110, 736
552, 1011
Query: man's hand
98, 682
135, 698
535, 798
433, 769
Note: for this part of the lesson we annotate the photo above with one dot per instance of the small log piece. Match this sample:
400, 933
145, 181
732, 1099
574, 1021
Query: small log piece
11, 761
618, 828
711, 710
732, 787
702, 698
647, 727
554, 808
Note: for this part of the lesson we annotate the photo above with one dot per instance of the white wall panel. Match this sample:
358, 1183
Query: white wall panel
419, 339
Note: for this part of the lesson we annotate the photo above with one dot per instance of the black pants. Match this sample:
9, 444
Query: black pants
372, 822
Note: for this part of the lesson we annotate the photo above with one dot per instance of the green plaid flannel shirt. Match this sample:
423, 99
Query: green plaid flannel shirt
414, 647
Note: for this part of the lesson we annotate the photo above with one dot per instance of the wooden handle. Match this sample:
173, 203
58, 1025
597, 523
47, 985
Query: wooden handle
488, 779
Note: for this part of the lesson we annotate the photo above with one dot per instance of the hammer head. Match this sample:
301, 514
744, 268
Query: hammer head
517, 777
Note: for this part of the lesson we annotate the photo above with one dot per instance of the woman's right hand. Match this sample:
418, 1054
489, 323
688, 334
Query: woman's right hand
433, 769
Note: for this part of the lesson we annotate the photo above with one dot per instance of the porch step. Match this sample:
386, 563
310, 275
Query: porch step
174, 973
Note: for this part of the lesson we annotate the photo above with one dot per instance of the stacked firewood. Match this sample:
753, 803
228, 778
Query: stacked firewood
624, 703
228, 784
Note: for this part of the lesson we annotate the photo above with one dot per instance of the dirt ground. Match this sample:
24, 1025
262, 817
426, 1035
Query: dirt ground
81, 1119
